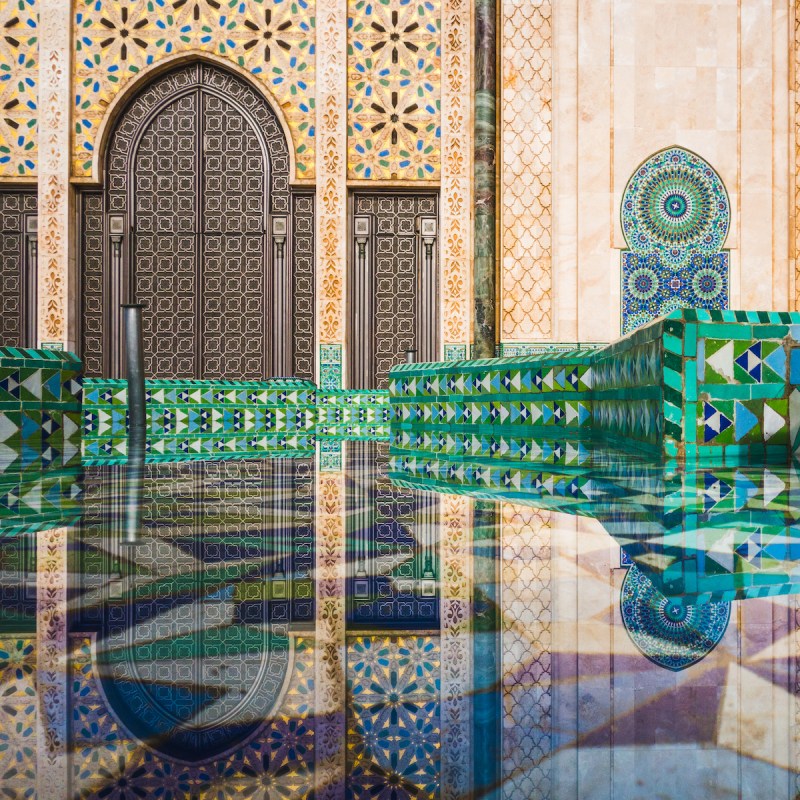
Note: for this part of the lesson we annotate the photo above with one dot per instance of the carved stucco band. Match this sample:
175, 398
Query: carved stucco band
331, 203
54, 131
329, 768
526, 171
51, 672
456, 200
456, 649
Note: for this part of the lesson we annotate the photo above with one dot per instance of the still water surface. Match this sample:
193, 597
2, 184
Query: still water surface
283, 629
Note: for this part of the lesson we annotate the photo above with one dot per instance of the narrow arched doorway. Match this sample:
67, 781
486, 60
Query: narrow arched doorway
195, 222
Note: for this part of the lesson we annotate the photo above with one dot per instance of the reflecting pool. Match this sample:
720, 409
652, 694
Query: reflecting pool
359, 625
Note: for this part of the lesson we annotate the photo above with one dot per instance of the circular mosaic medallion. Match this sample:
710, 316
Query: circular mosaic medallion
643, 283
707, 284
669, 633
675, 202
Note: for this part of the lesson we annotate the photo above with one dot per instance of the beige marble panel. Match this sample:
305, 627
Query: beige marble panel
595, 318
642, 75
526, 170
565, 171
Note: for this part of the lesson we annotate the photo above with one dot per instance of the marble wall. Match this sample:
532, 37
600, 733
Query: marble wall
629, 78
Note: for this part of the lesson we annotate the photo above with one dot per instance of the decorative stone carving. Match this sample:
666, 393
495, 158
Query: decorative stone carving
54, 131
19, 89
115, 42
526, 170
394, 79
456, 221
331, 202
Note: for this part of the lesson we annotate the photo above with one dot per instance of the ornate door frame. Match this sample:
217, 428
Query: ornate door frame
112, 245
362, 251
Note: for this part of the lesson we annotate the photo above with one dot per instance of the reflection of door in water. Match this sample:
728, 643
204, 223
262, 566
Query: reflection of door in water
394, 283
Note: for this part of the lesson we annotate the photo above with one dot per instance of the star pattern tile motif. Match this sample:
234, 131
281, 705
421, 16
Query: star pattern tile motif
115, 40
394, 82
19, 89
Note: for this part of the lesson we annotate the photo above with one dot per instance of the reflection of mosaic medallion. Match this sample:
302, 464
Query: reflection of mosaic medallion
675, 203
669, 633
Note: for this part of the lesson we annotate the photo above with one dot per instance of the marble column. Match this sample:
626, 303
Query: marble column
485, 172
56, 282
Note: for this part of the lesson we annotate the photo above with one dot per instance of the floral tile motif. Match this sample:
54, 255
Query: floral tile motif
19, 90
273, 40
393, 717
675, 218
394, 80
18, 717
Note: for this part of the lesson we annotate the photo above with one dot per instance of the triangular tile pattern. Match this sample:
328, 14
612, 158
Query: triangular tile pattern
355, 415
203, 419
40, 410
696, 384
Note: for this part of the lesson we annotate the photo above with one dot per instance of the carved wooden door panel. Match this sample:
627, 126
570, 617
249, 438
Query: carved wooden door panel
200, 242
165, 242
394, 280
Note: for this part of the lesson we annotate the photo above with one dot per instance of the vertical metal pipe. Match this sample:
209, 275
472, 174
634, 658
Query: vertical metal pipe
133, 491
134, 370
485, 261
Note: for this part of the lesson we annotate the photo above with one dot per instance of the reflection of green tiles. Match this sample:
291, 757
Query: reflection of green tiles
711, 534
203, 419
33, 499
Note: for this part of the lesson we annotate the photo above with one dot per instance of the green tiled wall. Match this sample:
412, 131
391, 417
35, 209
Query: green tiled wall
491, 408
203, 419
227, 419
731, 381
40, 404
354, 415
697, 385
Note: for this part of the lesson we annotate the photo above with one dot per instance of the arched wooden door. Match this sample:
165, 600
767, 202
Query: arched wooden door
197, 219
